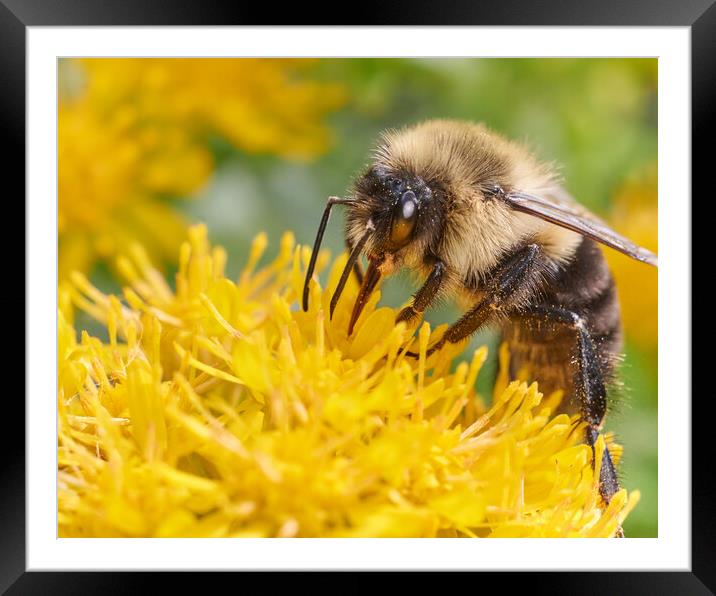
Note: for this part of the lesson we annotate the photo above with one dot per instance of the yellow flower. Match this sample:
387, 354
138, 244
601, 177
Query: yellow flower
635, 214
222, 409
138, 130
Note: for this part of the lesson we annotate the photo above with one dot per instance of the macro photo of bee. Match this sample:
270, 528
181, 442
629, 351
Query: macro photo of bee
479, 220
450, 361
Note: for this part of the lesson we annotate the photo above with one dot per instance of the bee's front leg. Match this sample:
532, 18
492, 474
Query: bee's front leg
512, 283
425, 295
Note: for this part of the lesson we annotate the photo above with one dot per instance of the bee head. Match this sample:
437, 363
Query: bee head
400, 207
394, 217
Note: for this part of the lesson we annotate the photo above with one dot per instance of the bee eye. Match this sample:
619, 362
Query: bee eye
405, 214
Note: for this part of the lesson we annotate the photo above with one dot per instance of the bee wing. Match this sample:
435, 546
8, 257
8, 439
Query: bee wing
559, 208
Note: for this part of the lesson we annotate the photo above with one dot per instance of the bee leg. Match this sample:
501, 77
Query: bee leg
425, 295
357, 269
512, 278
589, 388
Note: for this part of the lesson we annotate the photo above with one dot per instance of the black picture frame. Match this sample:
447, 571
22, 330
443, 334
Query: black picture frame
699, 15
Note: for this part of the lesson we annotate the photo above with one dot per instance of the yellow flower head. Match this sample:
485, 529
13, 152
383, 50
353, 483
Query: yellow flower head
221, 409
137, 130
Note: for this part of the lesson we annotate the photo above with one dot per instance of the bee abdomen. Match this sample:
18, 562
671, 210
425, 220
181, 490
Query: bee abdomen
544, 350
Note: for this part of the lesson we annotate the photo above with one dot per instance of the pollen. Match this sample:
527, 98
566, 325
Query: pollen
216, 407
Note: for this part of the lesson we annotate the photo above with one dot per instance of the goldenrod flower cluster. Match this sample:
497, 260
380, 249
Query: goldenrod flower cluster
221, 409
133, 132
635, 214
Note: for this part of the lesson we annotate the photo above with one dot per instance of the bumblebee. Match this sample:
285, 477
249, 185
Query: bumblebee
479, 219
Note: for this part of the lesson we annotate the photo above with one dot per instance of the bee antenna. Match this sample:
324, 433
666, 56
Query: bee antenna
353, 257
317, 244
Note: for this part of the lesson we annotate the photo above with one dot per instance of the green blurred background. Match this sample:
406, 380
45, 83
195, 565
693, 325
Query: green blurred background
595, 117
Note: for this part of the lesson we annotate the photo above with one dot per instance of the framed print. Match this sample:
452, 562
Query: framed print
311, 287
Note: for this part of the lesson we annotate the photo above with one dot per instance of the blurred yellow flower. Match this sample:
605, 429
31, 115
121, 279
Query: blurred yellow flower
635, 214
134, 131
221, 409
